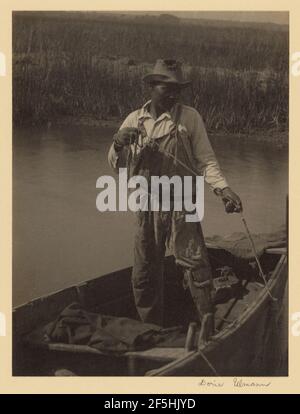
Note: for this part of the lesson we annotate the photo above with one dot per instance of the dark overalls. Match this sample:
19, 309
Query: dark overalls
154, 228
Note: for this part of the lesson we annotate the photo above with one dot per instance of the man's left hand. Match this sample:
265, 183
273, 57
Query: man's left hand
231, 201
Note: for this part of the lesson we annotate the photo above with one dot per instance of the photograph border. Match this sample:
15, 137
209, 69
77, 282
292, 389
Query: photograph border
126, 385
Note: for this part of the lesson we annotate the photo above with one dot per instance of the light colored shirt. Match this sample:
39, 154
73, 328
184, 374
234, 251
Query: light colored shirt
189, 122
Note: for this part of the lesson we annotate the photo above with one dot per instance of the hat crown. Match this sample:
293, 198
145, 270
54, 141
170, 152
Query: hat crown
170, 68
167, 70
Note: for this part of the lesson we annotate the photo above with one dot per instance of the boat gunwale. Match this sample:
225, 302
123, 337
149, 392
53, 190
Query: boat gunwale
214, 341
75, 287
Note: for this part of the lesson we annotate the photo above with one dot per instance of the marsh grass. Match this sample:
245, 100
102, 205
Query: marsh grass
240, 78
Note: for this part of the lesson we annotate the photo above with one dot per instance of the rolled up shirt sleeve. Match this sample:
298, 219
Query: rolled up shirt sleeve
117, 159
206, 162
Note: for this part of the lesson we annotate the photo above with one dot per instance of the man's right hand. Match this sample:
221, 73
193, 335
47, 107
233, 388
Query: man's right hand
124, 137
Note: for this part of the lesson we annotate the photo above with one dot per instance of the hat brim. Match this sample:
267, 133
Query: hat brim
151, 78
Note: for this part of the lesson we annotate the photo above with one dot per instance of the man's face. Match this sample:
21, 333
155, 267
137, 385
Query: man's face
165, 95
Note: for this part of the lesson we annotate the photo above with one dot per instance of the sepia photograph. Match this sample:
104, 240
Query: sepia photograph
150, 193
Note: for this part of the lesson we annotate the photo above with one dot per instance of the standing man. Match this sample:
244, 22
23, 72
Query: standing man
178, 130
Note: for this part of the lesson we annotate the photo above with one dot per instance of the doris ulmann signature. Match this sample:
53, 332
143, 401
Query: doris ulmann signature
236, 382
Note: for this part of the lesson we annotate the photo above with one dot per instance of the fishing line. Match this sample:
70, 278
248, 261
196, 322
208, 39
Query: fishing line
261, 272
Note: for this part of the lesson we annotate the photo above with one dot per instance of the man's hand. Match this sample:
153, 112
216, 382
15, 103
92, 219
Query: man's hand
124, 137
231, 201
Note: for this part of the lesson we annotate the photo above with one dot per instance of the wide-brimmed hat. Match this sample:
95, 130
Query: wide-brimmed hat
169, 71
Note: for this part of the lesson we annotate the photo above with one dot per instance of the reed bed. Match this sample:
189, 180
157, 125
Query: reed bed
78, 68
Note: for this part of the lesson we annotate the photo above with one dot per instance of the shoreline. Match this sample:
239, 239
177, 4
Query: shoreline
272, 137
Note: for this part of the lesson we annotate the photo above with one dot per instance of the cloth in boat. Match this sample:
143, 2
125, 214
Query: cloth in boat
239, 245
76, 325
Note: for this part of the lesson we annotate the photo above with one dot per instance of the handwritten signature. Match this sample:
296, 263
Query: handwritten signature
210, 383
237, 382
240, 383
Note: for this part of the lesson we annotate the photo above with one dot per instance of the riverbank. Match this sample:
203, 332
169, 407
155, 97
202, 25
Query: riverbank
272, 137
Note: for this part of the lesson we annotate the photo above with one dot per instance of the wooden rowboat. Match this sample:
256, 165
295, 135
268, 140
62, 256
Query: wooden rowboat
250, 337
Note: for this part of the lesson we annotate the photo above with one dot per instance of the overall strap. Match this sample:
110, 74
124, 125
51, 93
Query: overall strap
140, 120
132, 153
141, 129
176, 121
177, 114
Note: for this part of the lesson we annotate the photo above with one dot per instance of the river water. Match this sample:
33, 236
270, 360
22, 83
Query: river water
60, 238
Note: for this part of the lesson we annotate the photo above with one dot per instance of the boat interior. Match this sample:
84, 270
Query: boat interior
111, 295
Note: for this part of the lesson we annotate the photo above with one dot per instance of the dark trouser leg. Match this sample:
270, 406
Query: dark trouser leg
190, 252
147, 275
